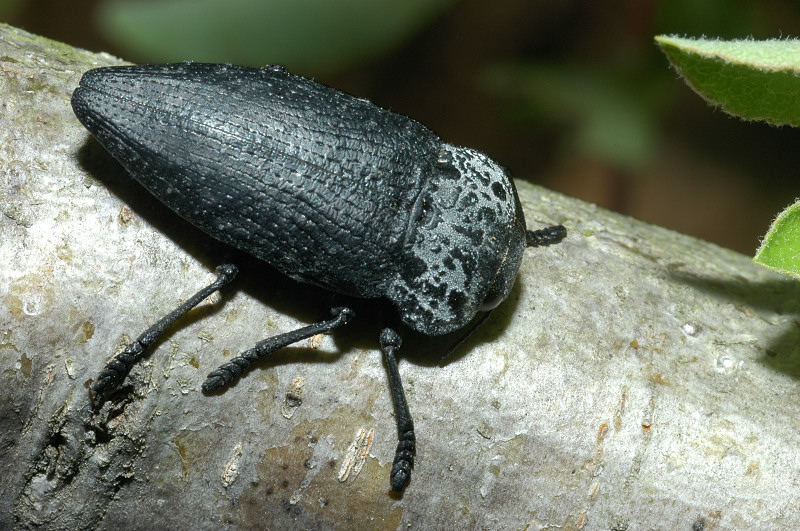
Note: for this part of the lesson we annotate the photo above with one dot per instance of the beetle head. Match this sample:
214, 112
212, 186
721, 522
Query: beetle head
463, 244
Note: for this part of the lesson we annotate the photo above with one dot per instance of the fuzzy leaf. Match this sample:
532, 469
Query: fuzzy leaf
780, 250
755, 80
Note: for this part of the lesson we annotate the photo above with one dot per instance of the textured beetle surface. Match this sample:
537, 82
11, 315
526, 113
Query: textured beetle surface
328, 188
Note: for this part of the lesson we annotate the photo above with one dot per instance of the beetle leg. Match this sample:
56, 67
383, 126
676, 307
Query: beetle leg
406, 446
230, 371
116, 369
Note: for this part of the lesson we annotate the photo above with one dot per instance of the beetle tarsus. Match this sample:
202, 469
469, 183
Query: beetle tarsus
229, 372
403, 461
406, 446
116, 370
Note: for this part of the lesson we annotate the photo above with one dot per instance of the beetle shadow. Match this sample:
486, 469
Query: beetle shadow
780, 296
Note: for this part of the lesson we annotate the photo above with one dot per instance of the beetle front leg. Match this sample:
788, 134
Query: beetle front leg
227, 373
116, 369
406, 445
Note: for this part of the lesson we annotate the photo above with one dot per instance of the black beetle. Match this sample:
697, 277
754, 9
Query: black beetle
328, 188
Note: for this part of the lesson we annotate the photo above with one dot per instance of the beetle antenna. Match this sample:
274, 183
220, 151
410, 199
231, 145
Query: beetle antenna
545, 236
466, 335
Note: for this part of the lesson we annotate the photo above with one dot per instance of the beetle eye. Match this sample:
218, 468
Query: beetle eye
500, 286
492, 300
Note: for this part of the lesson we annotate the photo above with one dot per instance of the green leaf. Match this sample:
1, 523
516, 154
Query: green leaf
780, 250
755, 80
304, 35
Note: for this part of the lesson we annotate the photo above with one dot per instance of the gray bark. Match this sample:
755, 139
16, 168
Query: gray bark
636, 378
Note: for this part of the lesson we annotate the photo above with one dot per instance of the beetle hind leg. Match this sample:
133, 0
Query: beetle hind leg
116, 369
227, 373
406, 445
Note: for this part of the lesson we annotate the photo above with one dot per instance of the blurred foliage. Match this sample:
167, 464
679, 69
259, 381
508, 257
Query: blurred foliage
306, 36
723, 18
10, 7
606, 121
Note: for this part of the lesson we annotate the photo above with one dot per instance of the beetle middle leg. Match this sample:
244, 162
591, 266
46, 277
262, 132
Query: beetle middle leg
227, 373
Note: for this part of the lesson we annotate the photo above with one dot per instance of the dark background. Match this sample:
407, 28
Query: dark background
571, 95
